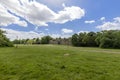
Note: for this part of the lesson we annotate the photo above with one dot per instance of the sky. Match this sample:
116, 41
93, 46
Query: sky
58, 18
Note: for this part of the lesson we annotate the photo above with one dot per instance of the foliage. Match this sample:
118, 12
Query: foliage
84, 39
75, 40
4, 41
45, 40
89, 39
103, 39
110, 39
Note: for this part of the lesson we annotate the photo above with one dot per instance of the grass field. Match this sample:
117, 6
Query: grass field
48, 62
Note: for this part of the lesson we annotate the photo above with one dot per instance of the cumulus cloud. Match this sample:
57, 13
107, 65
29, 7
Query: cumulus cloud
64, 30
39, 14
83, 32
47, 29
90, 22
69, 14
114, 25
117, 19
60, 35
14, 34
102, 18
21, 23
63, 4
6, 18
54, 3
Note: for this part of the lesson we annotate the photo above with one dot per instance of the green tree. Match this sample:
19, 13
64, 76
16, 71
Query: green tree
110, 39
37, 41
75, 40
89, 39
81, 39
4, 41
45, 40
30, 41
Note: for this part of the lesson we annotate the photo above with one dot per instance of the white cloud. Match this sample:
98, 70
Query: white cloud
69, 14
21, 23
47, 29
115, 25
53, 3
13, 34
60, 35
83, 32
39, 14
117, 19
7, 19
55, 35
102, 18
63, 4
90, 22
64, 30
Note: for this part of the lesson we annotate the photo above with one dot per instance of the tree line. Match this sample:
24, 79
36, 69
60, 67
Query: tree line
44, 40
102, 39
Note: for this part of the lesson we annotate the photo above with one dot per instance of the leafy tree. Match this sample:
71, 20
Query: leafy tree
75, 40
4, 41
110, 39
106, 43
116, 43
98, 38
81, 38
103, 39
16, 41
90, 39
37, 41
45, 40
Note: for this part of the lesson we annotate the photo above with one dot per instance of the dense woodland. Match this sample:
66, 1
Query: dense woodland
103, 39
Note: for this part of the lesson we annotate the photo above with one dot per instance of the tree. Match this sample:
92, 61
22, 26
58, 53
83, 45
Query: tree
74, 40
110, 39
81, 39
4, 41
98, 38
116, 43
30, 41
17, 41
45, 40
91, 36
37, 41
84, 39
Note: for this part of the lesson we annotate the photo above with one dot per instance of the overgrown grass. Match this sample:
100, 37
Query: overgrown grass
48, 62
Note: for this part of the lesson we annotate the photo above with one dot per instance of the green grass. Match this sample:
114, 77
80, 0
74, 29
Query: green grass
48, 62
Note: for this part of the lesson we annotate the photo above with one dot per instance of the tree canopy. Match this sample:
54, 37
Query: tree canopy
4, 41
102, 39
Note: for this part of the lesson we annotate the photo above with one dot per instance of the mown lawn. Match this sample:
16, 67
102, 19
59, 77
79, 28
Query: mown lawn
48, 62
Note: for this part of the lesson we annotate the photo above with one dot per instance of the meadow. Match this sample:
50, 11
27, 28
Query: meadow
53, 62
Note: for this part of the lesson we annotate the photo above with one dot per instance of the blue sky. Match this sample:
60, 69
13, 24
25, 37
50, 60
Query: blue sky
98, 15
